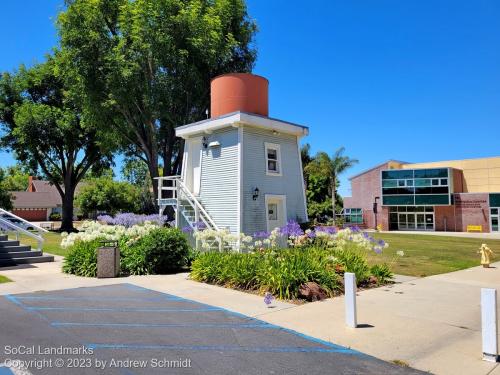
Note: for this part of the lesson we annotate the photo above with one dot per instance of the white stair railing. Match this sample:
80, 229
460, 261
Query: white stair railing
38, 228
180, 193
17, 229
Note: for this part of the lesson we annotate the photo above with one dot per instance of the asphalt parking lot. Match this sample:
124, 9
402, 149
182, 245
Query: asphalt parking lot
126, 329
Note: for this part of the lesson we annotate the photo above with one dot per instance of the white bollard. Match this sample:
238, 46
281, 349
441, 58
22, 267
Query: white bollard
350, 300
489, 324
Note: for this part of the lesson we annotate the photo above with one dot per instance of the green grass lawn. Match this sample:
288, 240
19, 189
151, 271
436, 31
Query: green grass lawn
51, 244
426, 255
4, 279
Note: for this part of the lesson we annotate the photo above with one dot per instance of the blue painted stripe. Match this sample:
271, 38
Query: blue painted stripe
222, 348
46, 308
170, 296
5, 371
164, 325
14, 300
58, 298
288, 330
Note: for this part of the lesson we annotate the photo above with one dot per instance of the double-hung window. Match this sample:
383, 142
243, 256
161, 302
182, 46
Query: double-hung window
273, 159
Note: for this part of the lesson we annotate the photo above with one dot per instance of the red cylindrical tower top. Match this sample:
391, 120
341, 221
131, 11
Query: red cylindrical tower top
239, 92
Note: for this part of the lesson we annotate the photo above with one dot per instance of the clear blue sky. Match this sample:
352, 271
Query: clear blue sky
411, 80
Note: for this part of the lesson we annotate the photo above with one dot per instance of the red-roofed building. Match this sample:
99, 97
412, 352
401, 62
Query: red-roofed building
38, 201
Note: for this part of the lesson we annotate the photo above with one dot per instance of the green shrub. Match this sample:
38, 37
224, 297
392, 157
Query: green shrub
162, 250
282, 272
55, 216
279, 272
81, 259
353, 260
207, 267
382, 272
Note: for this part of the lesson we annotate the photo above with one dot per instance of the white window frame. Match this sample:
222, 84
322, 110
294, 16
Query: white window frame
273, 146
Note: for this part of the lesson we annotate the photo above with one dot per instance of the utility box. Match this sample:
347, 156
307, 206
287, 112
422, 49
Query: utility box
108, 260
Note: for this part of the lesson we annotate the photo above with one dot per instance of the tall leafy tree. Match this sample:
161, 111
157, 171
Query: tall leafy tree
106, 195
331, 167
146, 65
5, 196
46, 129
135, 171
16, 178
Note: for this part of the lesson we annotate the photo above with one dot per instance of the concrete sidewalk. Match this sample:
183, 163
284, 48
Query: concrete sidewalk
431, 323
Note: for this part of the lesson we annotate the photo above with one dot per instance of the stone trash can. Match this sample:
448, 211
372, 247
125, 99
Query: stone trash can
108, 260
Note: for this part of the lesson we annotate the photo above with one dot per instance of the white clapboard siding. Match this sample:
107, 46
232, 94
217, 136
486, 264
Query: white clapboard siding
254, 175
219, 179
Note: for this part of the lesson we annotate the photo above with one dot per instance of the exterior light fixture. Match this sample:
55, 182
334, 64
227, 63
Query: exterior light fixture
255, 193
204, 142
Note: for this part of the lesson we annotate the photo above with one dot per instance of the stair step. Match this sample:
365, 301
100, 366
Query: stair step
20, 254
9, 243
26, 260
3, 237
14, 249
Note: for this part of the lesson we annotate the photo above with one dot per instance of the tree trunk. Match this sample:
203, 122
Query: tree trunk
334, 188
67, 209
153, 172
177, 167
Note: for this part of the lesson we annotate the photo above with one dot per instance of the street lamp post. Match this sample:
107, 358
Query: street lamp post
375, 210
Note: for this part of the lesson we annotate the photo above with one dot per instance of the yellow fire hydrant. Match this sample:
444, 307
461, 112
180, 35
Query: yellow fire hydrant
486, 254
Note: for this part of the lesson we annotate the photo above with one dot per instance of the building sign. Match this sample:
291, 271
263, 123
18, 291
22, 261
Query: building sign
470, 203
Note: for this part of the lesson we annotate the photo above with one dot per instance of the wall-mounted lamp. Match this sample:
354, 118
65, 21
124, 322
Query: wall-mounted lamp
255, 193
204, 142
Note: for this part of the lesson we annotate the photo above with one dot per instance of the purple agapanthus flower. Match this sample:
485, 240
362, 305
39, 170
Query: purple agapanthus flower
355, 229
261, 235
329, 230
268, 298
311, 234
129, 219
366, 236
291, 229
187, 229
200, 225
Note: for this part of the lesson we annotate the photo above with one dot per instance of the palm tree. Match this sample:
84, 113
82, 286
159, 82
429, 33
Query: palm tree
332, 167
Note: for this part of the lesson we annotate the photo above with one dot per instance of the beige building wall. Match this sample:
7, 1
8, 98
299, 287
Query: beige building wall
480, 175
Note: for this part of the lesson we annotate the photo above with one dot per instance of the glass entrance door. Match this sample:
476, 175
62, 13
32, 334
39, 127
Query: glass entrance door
412, 218
495, 217
420, 221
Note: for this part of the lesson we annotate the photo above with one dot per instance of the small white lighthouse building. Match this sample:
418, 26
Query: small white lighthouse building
241, 168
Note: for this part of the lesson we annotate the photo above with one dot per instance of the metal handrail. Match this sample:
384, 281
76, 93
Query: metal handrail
208, 224
197, 203
18, 229
207, 219
39, 229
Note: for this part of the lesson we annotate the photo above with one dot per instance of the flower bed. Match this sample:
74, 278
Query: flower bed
319, 256
129, 219
144, 249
